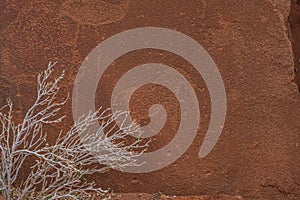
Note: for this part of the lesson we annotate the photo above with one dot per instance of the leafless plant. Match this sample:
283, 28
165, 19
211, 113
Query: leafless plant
60, 167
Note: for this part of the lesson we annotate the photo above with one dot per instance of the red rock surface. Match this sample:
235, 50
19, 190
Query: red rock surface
257, 156
295, 29
143, 196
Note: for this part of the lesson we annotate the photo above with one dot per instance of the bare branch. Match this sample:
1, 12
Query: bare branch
60, 167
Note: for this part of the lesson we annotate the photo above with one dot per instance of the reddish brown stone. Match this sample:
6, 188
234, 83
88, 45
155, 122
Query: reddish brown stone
143, 196
95, 12
295, 29
257, 156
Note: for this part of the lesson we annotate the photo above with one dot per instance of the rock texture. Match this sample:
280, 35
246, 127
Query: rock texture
99, 12
143, 196
295, 29
257, 156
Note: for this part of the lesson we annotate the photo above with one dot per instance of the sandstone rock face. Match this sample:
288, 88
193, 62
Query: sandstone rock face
257, 155
142, 196
99, 12
295, 29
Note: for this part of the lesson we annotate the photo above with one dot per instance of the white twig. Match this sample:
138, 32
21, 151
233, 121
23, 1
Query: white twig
60, 167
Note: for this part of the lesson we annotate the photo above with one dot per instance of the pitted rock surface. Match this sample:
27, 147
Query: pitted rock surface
257, 155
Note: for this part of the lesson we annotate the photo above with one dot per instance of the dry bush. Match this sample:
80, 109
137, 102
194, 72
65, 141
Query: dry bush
59, 170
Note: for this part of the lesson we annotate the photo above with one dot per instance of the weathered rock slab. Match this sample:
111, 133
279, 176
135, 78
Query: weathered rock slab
257, 155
